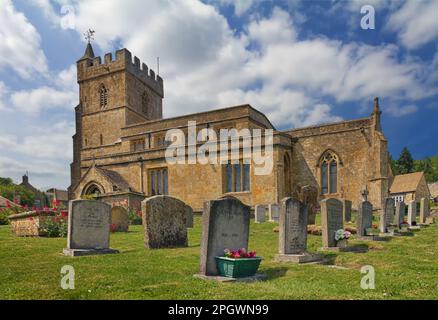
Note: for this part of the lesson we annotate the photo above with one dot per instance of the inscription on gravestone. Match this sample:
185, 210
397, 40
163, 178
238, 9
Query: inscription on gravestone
225, 226
331, 221
293, 227
364, 218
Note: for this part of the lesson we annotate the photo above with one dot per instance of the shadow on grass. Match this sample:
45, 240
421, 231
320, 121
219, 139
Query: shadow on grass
329, 259
276, 272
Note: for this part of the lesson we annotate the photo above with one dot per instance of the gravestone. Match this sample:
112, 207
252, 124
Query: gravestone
387, 214
364, 218
293, 233
225, 226
400, 209
412, 213
347, 204
119, 219
259, 213
274, 212
331, 221
424, 210
189, 217
89, 224
164, 222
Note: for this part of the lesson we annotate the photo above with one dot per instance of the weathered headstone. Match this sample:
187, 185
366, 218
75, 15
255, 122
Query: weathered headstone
400, 209
119, 219
89, 224
332, 220
225, 226
424, 210
364, 218
274, 212
189, 217
164, 222
293, 233
347, 204
387, 214
259, 213
412, 213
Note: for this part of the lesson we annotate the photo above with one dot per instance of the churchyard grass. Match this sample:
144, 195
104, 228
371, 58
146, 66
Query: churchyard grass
405, 267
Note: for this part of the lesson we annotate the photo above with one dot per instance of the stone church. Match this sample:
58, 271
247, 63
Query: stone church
119, 147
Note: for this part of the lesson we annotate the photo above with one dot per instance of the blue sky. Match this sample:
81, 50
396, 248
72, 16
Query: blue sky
300, 62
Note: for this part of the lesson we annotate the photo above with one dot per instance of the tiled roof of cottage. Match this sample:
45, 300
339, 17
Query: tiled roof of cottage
406, 182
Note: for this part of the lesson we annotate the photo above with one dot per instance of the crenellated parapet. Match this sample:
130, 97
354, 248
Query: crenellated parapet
89, 68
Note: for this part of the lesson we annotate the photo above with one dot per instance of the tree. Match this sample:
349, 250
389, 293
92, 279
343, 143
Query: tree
6, 182
405, 163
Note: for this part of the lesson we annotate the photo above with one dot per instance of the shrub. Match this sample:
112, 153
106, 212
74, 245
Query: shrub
56, 226
6, 212
135, 217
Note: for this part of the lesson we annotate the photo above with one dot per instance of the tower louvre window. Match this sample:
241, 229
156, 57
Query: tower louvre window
103, 94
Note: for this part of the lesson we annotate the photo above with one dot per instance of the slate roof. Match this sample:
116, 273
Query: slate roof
406, 182
115, 178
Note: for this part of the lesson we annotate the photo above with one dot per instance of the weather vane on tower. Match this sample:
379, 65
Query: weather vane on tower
89, 35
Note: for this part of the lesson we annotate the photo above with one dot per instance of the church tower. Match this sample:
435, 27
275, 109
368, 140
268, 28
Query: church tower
113, 94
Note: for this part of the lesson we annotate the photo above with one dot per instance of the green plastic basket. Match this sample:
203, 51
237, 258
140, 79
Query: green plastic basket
237, 268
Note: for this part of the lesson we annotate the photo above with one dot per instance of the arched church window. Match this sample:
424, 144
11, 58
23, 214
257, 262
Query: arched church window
144, 102
103, 94
329, 172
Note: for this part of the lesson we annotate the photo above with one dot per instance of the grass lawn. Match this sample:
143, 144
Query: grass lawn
406, 268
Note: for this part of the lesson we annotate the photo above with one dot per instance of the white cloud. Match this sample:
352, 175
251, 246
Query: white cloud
3, 91
20, 43
416, 22
400, 111
240, 6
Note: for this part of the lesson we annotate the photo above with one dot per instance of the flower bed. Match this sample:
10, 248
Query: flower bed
46, 223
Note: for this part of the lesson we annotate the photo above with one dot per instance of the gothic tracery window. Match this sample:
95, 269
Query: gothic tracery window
103, 94
329, 172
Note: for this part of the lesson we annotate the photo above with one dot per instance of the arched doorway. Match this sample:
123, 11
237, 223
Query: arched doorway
93, 189
287, 176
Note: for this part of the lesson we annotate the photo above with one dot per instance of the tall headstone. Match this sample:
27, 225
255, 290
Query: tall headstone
119, 219
189, 217
164, 222
412, 213
347, 204
274, 212
364, 218
225, 226
89, 224
332, 220
387, 214
293, 232
424, 210
259, 213
400, 209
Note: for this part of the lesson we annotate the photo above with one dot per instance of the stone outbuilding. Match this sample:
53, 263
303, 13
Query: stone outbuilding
408, 187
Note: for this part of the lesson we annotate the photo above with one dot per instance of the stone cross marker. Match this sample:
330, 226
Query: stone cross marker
88, 228
293, 227
164, 222
400, 209
347, 204
331, 220
412, 213
387, 214
424, 210
119, 219
225, 226
259, 213
364, 218
274, 212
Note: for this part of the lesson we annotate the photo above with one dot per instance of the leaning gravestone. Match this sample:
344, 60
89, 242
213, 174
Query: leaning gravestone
274, 212
424, 210
364, 218
387, 215
332, 220
259, 213
347, 204
119, 219
164, 222
400, 209
293, 233
225, 226
412, 213
88, 228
